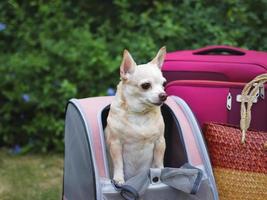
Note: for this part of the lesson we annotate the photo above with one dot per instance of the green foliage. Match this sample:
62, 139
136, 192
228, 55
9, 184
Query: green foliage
52, 51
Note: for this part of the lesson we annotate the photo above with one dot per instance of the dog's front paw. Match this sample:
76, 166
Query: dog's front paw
118, 181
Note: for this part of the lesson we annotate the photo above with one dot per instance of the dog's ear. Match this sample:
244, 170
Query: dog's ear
127, 65
159, 59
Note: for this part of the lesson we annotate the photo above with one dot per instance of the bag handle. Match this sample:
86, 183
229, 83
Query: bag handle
248, 95
220, 50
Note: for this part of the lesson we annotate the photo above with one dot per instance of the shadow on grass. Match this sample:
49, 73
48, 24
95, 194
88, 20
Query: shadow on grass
37, 177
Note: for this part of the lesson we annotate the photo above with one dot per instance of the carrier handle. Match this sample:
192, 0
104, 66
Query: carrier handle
129, 193
126, 191
220, 50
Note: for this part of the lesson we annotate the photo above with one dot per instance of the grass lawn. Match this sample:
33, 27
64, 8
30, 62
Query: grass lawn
28, 177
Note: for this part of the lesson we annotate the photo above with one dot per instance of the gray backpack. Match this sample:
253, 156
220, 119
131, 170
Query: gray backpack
87, 170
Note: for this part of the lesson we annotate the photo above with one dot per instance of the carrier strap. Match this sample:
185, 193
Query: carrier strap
186, 179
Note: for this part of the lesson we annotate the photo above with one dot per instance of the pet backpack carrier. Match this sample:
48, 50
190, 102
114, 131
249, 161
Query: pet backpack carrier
87, 172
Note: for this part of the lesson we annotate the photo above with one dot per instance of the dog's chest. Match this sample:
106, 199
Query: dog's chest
141, 129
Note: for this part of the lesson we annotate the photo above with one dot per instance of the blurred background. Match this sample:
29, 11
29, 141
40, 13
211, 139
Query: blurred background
55, 50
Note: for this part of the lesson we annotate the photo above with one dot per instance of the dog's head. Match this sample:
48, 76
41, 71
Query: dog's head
143, 84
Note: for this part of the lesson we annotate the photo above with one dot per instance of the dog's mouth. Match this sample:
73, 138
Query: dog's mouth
150, 103
158, 104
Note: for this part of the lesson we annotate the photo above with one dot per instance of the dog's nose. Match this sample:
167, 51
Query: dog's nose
163, 96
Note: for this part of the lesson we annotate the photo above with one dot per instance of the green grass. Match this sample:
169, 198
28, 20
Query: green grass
24, 177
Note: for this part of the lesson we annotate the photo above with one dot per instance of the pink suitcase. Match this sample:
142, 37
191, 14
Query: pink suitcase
215, 101
219, 63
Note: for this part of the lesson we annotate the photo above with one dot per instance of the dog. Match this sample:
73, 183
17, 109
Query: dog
135, 126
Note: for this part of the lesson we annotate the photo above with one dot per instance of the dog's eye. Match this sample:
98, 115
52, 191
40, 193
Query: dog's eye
146, 86
164, 83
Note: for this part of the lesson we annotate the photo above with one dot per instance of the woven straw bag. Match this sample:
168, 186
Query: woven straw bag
239, 157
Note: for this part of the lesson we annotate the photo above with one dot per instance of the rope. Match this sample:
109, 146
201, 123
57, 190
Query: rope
248, 95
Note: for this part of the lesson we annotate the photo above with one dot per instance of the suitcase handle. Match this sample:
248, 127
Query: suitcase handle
220, 50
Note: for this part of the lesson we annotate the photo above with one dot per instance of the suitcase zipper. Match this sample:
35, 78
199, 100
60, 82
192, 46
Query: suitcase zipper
229, 101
